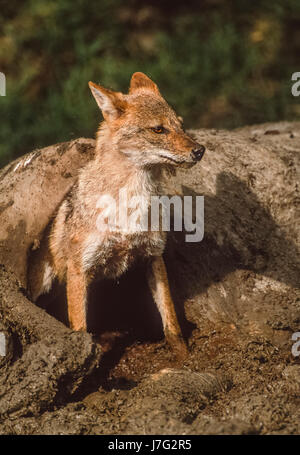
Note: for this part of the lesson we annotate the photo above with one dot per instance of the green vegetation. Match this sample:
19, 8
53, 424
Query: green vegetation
220, 63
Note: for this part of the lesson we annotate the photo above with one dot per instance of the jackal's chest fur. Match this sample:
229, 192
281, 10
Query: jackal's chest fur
110, 252
106, 249
111, 256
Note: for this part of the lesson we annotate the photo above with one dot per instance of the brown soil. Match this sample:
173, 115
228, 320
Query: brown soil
238, 302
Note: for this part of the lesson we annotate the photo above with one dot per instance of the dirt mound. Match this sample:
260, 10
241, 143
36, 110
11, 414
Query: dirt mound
236, 294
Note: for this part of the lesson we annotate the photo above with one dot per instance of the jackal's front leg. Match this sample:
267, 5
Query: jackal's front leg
77, 297
159, 285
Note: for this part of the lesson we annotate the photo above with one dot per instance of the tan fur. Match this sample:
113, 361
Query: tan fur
77, 283
159, 285
131, 153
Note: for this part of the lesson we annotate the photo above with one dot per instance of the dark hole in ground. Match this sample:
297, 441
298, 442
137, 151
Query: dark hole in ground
125, 306
121, 313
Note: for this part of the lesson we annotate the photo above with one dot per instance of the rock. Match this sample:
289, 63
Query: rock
31, 188
47, 374
53, 360
246, 270
170, 395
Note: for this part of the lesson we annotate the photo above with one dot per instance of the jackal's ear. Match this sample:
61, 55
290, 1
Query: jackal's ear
112, 104
140, 81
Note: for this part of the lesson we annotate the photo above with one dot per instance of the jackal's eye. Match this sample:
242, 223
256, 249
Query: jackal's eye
158, 129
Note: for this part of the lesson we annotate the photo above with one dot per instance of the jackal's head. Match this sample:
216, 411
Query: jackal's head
144, 127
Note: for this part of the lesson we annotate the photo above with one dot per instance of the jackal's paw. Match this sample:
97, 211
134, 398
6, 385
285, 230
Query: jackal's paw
178, 345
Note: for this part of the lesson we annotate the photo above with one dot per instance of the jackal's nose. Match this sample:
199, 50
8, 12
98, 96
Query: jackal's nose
198, 153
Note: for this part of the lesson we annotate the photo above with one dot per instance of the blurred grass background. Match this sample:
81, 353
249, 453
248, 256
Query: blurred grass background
219, 63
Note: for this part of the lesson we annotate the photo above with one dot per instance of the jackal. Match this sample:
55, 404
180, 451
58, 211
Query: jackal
140, 137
